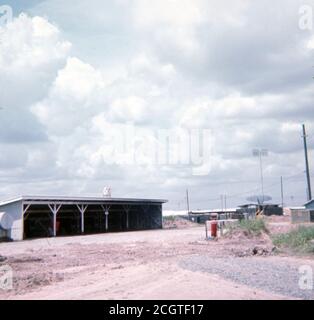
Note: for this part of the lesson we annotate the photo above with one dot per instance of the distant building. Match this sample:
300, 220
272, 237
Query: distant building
201, 216
268, 209
245, 211
310, 205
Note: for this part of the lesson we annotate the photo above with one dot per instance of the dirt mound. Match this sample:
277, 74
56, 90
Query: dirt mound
177, 223
242, 243
23, 283
243, 234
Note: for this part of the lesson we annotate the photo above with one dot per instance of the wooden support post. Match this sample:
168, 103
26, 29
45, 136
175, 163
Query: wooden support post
82, 222
54, 209
25, 208
82, 208
54, 224
106, 209
107, 224
127, 210
206, 230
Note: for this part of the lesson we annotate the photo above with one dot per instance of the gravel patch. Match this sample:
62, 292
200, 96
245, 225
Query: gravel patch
271, 275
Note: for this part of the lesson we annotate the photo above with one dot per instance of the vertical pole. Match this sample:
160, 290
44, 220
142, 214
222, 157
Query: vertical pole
106, 210
82, 208
107, 214
262, 177
54, 223
226, 202
188, 201
282, 195
82, 221
127, 210
54, 210
307, 167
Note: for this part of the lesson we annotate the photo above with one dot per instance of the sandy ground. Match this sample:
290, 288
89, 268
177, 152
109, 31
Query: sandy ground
135, 265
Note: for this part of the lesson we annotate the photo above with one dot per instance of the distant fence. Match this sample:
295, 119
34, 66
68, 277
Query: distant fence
302, 216
202, 218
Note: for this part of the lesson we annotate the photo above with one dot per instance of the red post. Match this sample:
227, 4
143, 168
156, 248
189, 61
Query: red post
213, 229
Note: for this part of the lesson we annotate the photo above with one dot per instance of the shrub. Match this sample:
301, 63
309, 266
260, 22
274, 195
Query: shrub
169, 218
256, 226
298, 240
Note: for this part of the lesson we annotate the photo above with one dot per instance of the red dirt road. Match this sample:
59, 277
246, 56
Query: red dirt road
135, 265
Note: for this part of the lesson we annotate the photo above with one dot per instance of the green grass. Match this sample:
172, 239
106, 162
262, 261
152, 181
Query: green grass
255, 227
297, 240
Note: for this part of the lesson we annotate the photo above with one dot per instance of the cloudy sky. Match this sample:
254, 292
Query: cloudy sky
75, 75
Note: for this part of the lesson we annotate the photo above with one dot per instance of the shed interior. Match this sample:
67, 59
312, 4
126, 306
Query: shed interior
71, 219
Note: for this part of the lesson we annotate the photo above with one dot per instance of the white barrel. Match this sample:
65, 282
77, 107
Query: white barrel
5, 221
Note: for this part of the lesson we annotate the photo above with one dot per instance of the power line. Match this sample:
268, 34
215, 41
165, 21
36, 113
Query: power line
288, 180
267, 187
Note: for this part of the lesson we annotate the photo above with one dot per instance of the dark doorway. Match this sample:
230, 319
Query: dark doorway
68, 221
38, 222
95, 220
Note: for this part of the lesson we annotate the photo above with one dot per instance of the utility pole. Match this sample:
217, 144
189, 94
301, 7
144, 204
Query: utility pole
225, 202
282, 196
188, 201
307, 167
262, 176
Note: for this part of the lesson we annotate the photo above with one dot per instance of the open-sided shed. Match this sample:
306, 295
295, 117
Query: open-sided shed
29, 217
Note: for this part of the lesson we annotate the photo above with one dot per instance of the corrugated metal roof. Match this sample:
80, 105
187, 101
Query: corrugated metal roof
78, 199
